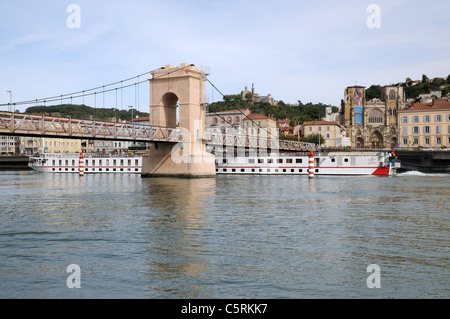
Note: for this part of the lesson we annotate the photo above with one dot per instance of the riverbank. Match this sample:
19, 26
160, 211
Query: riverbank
14, 163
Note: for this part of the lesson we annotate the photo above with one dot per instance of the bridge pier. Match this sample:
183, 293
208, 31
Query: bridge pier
166, 160
177, 100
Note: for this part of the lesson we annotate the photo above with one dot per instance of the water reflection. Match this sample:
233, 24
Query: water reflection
178, 225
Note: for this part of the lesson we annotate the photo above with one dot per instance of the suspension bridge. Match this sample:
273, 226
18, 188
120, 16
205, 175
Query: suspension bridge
177, 115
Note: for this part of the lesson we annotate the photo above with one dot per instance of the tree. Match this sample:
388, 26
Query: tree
317, 139
424, 78
374, 91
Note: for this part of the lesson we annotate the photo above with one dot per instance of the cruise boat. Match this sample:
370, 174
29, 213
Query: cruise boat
91, 163
317, 163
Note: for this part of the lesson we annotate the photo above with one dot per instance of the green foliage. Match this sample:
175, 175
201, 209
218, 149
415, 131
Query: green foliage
85, 112
317, 139
374, 91
297, 113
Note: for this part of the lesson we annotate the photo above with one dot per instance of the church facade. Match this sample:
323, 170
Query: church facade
373, 123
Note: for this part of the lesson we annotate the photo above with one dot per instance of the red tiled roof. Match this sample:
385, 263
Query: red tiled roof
439, 104
233, 111
257, 116
318, 123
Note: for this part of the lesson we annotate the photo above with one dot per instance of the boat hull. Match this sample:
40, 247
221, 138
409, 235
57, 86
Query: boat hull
93, 164
330, 164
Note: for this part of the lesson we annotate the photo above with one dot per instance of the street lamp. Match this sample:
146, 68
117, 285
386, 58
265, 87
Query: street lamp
10, 100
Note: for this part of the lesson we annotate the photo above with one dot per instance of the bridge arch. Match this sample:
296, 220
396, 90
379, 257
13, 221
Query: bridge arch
170, 103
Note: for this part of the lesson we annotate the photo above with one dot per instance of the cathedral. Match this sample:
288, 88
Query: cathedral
373, 123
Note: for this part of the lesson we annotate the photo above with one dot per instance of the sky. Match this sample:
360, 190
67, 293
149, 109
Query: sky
294, 50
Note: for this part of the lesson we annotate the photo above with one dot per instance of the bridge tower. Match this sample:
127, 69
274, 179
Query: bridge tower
177, 99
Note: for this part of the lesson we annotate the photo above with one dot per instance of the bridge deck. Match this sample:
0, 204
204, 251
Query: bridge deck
32, 125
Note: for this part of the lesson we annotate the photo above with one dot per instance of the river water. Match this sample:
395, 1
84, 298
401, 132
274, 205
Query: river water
225, 237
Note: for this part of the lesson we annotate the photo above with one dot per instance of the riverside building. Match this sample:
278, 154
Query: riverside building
425, 125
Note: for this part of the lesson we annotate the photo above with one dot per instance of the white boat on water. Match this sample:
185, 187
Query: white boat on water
93, 163
329, 163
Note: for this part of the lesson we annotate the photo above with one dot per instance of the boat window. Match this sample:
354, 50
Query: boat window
269, 161
242, 170
345, 160
333, 160
260, 160
251, 160
280, 161
289, 161
298, 160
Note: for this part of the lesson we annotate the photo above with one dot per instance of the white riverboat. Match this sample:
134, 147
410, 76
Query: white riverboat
324, 163
93, 163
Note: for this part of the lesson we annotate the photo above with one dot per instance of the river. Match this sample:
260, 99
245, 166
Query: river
225, 237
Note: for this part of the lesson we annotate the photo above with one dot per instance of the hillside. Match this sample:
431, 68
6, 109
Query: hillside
296, 113
414, 88
85, 112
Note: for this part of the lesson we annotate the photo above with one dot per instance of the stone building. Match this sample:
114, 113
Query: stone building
372, 123
425, 125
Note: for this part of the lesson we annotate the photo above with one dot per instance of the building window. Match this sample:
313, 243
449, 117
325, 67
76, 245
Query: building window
427, 129
438, 118
415, 130
405, 130
405, 141
404, 119
427, 118
236, 120
427, 141
438, 129
448, 117
392, 95
438, 140
415, 119
416, 141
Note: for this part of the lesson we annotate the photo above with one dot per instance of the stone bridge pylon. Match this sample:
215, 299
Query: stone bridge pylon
177, 100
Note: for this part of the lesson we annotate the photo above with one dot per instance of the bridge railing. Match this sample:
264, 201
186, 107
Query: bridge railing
66, 127
242, 140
